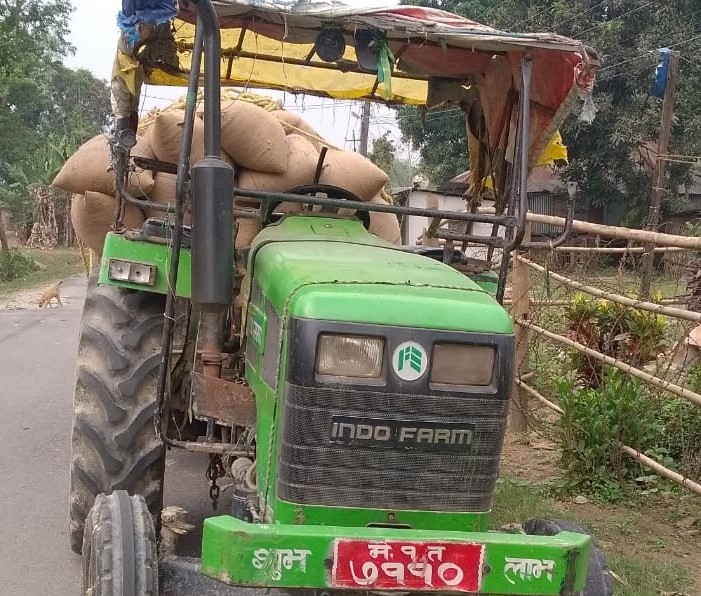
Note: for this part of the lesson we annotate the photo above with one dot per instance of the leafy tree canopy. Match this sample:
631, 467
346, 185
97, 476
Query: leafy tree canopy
46, 109
627, 35
383, 155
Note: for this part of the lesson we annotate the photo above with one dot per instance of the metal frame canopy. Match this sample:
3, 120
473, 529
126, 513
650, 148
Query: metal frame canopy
271, 45
434, 57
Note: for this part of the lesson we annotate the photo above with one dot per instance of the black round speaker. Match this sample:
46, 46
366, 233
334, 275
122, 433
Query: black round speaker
330, 45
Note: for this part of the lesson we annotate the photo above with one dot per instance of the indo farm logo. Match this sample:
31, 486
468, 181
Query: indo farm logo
409, 361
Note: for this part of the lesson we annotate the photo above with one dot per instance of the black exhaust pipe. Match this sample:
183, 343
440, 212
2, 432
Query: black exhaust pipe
212, 187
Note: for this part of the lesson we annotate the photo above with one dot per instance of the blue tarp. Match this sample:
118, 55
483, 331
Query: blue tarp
661, 74
139, 11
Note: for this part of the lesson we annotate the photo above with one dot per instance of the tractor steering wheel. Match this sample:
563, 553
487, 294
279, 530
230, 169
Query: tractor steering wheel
332, 192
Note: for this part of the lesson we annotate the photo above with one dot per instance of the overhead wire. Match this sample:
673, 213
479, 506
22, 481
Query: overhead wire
618, 18
575, 17
646, 54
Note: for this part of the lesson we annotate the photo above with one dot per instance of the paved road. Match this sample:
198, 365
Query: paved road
37, 360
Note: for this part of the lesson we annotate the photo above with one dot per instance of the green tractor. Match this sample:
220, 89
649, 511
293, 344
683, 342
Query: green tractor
354, 393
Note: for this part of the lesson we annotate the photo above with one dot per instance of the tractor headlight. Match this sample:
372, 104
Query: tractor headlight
462, 364
136, 273
349, 356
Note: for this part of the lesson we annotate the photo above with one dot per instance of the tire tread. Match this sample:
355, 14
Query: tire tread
114, 443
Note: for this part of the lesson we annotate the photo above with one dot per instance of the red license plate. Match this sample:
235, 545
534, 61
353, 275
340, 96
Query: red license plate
407, 565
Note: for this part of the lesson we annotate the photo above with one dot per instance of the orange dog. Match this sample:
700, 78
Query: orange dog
49, 294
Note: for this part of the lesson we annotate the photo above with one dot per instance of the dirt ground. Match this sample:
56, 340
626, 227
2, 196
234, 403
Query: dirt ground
656, 529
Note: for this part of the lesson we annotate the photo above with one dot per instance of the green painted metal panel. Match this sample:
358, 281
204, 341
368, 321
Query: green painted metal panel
287, 556
148, 253
256, 332
292, 513
419, 307
327, 268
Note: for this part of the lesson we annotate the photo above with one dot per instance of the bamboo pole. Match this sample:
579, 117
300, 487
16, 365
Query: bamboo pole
639, 457
539, 396
617, 249
509, 302
631, 370
687, 242
661, 470
520, 294
678, 313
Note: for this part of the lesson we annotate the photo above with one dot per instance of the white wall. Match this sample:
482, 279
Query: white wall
416, 225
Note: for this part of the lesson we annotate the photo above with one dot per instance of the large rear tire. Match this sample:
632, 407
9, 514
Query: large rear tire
599, 581
114, 445
120, 556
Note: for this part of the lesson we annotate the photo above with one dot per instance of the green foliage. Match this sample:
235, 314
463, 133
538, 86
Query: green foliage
623, 410
383, 155
13, 265
440, 138
604, 155
633, 336
595, 422
46, 110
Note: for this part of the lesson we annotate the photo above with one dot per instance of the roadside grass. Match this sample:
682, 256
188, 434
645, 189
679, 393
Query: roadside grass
53, 265
641, 562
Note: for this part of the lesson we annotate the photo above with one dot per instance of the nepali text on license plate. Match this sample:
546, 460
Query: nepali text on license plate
407, 565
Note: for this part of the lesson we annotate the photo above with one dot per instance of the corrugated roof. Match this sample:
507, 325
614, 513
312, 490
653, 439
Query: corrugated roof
542, 179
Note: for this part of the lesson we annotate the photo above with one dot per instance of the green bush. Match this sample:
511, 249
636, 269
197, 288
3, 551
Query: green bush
623, 410
627, 334
595, 421
14, 265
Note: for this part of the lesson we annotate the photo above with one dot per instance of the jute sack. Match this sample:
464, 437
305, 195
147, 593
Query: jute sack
302, 159
164, 192
92, 215
253, 137
384, 225
247, 230
353, 172
164, 187
88, 169
166, 132
294, 124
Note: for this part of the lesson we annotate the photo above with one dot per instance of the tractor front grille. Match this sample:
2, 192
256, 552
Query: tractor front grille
315, 470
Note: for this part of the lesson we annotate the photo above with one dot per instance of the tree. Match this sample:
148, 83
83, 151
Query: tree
46, 109
626, 33
440, 137
383, 155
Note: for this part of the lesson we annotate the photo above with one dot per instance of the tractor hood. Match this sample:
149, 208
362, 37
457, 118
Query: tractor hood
332, 269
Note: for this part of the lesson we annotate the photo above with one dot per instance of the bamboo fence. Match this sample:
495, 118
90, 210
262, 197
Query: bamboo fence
522, 302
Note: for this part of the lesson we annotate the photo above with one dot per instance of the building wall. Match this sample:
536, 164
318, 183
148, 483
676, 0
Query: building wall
413, 227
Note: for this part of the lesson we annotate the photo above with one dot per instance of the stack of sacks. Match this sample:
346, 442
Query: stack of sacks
272, 151
87, 175
262, 170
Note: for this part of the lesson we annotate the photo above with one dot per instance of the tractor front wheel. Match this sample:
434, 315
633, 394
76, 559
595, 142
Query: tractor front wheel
114, 445
119, 548
599, 582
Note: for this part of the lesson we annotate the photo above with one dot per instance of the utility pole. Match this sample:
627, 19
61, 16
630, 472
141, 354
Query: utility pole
3, 235
365, 128
354, 141
660, 168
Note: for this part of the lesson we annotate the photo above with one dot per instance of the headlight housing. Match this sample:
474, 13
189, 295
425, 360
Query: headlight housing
357, 356
463, 364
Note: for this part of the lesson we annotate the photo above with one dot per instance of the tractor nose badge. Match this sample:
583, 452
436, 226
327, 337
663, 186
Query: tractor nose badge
409, 361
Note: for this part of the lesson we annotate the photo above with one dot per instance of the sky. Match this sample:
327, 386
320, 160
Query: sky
94, 35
